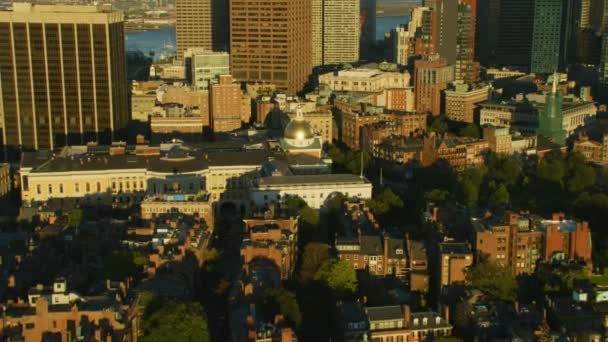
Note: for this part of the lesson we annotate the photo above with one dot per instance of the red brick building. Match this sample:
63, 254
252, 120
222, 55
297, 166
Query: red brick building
431, 78
568, 239
459, 152
271, 238
519, 241
454, 259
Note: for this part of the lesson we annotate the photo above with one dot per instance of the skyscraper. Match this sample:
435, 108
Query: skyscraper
201, 24
62, 75
271, 42
556, 24
336, 31
515, 25
445, 28
466, 69
368, 25
486, 37
603, 77
546, 36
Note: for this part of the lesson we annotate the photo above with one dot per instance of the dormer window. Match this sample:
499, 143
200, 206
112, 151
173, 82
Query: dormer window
425, 321
438, 320
399, 251
415, 322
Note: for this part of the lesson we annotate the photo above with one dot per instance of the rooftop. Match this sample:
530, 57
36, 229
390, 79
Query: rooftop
312, 180
385, 313
454, 248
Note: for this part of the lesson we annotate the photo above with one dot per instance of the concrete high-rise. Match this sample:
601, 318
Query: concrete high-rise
335, 31
62, 75
445, 30
271, 42
453, 35
201, 24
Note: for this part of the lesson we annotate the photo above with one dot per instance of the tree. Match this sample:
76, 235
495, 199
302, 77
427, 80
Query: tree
354, 159
504, 168
470, 184
175, 321
294, 202
338, 276
314, 255
551, 169
121, 264
75, 218
439, 125
281, 301
493, 280
500, 195
582, 177
436, 196
470, 130
386, 206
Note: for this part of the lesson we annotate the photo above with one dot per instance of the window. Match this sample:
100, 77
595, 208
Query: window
88, 187
60, 188
76, 187
38, 189
29, 326
50, 188
98, 187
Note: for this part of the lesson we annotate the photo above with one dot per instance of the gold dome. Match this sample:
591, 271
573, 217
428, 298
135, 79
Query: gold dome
298, 129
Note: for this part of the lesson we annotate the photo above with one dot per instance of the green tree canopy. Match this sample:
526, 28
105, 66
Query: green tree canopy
499, 195
386, 206
551, 169
470, 130
75, 217
439, 125
338, 276
174, 321
281, 301
493, 280
314, 255
581, 175
504, 169
121, 264
437, 196
470, 184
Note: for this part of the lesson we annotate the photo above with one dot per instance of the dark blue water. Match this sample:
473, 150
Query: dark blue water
162, 41
385, 24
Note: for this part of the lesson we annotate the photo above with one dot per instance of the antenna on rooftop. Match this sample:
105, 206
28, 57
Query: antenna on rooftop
361, 175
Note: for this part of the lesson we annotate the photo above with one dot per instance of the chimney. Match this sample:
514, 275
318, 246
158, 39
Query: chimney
435, 214
446, 313
406, 315
286, 335
11, 281
516, 306
385, 259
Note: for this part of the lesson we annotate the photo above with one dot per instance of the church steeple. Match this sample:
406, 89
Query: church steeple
551, 119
